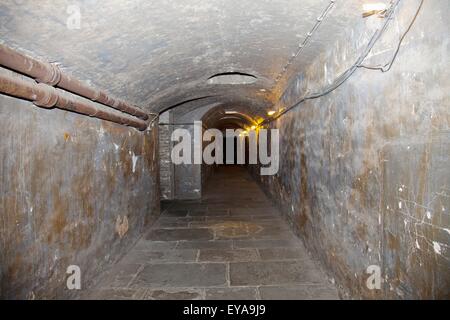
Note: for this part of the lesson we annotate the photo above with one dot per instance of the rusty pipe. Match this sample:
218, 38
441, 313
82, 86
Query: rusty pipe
50, 74
47, 96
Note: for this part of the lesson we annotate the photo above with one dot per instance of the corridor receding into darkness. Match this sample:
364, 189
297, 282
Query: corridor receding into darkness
224, 149
231, 244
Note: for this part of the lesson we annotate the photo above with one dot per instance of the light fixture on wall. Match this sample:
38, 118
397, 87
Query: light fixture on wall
271, 113
370, 9
243, 133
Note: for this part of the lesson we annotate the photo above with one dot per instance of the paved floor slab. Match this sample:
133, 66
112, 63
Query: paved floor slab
305, 292
230, 255
182, 275
232, 244
243, 293
174, 294
180, 234
273, 273
283, 253
147, 257
212, 244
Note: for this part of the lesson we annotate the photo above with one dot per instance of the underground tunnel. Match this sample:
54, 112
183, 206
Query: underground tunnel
225, 150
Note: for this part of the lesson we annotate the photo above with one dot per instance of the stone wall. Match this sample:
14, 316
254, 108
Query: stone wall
187, 177
74, 190
166, 169
183, 181
364, 173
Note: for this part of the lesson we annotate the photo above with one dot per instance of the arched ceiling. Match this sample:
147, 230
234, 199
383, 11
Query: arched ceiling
157, 54
219, 114
219, 118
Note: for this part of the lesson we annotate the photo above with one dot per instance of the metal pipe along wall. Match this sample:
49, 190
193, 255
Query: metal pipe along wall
47, 96
51, 74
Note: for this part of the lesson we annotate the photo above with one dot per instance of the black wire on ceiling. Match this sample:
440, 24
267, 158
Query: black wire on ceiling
350, 71
358, 63
386, 67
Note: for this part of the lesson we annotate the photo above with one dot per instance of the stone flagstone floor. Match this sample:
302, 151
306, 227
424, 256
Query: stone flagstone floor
233, 244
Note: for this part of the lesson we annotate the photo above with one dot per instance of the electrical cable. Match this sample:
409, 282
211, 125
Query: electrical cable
388, 15
388, 66
358, 63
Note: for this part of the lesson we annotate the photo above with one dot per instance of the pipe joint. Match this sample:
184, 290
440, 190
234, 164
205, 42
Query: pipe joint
97, 95
48, 98
52, 77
